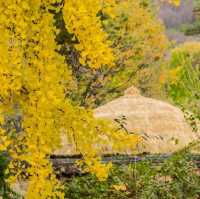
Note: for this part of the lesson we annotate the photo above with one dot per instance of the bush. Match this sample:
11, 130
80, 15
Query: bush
176, 178
191, 29
5, 191
183, 77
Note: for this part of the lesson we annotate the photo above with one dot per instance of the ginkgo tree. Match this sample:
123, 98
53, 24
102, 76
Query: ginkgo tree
138, 49
35, 82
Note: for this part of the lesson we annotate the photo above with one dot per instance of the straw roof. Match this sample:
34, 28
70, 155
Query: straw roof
162, 125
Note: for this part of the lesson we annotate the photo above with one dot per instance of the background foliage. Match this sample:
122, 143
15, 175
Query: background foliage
60, 58
138, 48
177, 178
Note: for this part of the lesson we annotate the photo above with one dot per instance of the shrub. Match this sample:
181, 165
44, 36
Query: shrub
5, 191
183, 74
176, 178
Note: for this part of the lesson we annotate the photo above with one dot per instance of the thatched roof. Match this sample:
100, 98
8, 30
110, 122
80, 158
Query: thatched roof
162, 125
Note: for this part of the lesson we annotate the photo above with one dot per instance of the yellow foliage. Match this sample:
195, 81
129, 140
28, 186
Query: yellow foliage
95, 167
188, 51
81, 20
174, 74
149, 39
190, 48
120, 187
34, 82
139, 47
173, 2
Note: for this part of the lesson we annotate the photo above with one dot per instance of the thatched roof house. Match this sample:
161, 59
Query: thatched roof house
162, 125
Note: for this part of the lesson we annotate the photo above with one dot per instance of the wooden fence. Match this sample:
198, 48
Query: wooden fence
66, 165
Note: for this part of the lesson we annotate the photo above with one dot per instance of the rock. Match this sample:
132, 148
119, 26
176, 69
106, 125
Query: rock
162, 125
